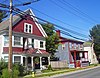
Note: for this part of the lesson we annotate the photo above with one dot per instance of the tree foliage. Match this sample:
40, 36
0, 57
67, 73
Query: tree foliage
51, 40
95, 37
2, 15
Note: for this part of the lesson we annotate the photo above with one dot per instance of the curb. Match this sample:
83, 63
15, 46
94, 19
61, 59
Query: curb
68, 73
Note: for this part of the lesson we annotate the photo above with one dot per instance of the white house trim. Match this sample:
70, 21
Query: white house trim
38, 25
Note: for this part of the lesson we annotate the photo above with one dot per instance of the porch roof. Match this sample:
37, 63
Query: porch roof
77, 51
30, 52
35, 52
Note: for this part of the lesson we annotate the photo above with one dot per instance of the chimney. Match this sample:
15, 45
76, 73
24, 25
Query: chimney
58, 32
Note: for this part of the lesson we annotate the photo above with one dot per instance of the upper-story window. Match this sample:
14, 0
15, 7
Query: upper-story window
17, 40
33, 43
63, 46
70, 45
6, 40
74, 45
41, 44
27, 28
81, 46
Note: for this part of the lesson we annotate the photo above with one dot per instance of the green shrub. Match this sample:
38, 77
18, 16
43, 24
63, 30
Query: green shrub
21, 69
49, 67
3, 65
5, 73
15, 73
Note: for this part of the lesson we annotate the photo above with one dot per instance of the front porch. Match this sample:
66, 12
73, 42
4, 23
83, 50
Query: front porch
35, 62
35, 59
79, 58
31, 59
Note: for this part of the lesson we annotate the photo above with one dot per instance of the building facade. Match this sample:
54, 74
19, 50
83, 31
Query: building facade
88, 46
72, 51
28, 41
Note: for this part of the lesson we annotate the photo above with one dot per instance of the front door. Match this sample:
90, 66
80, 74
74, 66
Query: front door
36, 62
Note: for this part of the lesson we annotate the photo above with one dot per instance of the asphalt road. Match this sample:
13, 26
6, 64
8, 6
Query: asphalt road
92, 73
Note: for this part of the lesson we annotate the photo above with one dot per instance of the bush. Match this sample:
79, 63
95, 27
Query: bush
3, 65
49, 67
15, 73
5, 73
20, 68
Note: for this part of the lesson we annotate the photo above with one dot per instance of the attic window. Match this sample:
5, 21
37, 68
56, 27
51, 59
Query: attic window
27, 28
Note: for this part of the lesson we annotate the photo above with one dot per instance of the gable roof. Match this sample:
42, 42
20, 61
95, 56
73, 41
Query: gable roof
5, 24
16, 18
70, 40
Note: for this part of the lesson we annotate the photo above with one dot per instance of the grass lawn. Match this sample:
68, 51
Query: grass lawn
57, 71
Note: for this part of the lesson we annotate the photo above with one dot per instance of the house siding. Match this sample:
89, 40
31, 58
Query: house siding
63, 54
19, 27
1, 45
15, 49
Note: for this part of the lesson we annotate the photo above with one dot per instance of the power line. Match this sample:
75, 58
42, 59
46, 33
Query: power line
77, 10
24, 13
60, 21
66, 33
54, 18
66, 10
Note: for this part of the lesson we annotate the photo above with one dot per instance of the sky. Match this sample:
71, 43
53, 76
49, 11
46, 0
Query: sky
76, 15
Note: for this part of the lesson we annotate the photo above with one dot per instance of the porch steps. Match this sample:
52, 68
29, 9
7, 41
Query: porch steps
38, 71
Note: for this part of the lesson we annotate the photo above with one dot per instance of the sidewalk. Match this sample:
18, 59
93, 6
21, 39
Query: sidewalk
60, 73
73, 72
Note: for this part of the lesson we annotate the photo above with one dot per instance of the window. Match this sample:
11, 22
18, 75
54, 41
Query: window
33, 43
28, 28
17, 59
6, 58
63, 46
74, 45
41, 44
6, 40
70, 45
17, 40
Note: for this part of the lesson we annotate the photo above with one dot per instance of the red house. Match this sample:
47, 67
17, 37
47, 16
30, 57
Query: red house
28, 41
72, 51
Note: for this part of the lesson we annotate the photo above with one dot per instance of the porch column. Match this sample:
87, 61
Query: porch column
75, 58
13, 59
22, 60
49, 60
32, 63
41, 63
26, 61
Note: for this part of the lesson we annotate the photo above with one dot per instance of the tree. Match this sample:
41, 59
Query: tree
51, 40
2, 15
95, 37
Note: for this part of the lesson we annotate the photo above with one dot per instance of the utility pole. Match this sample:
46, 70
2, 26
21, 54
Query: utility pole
10, 39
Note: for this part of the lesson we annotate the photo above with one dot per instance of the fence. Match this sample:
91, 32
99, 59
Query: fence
59, 64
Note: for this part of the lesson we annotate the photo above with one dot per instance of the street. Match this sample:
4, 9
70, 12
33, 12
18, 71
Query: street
92, 73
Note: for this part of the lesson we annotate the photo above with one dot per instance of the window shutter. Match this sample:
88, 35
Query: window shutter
21, 40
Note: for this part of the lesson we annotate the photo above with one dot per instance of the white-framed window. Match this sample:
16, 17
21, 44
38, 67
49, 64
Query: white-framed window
78, 46
6, 58
70, 45
17, 59
6, 40
74, 45
41, 44
63, 46
17, 40
27, 28
32, 43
